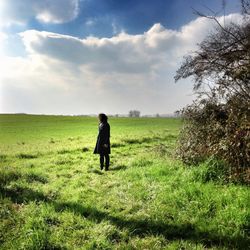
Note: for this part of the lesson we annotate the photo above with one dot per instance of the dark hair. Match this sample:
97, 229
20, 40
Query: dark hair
103, 117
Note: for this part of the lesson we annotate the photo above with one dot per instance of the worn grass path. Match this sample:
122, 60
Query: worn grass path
53, 195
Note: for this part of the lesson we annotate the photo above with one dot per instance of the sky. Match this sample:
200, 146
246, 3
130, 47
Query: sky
89, 56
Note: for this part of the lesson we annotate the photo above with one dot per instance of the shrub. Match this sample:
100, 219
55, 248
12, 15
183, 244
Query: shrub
220, 130
218, 122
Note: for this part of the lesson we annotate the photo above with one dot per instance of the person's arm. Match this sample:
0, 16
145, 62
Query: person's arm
107, 133
107, 136
104, 134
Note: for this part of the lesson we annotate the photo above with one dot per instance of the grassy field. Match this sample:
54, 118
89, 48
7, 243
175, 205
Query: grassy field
53, 195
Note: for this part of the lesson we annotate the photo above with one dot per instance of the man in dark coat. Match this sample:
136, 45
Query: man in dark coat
103, 142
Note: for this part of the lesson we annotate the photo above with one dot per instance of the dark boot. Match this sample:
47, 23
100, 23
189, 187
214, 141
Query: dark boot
101, 161
106, 162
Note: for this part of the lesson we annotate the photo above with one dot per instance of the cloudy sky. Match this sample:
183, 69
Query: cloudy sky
91, 56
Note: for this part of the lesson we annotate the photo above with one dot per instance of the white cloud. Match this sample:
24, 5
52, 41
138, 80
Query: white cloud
47, 11
123, 53
3, 38
90, 22
65, 74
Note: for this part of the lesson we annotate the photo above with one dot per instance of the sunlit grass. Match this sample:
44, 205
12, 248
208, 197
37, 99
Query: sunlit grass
53, 195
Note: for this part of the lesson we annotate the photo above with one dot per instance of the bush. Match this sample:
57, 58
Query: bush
218, 122
220, 130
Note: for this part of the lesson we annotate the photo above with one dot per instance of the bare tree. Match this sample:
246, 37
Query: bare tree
217, 123
222, 59
245, 6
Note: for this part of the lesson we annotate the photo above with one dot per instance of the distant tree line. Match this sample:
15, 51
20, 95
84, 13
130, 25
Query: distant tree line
134, 113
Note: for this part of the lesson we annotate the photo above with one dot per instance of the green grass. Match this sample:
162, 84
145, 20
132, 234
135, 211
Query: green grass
53, 195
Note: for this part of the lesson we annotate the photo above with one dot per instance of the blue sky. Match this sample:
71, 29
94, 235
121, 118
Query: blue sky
90, 56
97, 17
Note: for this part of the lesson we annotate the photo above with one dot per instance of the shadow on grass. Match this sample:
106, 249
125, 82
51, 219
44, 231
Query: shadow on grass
117, 145
95, 171
148, 139
19, 194
26, 156
119, 167
3, 158
8, 174
70, 151
146, 227
22, 195
33, 177
140, 228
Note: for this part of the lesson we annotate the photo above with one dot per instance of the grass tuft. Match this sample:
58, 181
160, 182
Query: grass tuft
212, 170
36, 177
85, 149
26, 156
3, 158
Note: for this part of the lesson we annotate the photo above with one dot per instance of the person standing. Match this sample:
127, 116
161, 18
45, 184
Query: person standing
103, 141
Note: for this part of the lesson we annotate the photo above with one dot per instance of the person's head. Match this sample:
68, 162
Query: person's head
102, 117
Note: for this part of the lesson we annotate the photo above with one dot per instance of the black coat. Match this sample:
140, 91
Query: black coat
103, 138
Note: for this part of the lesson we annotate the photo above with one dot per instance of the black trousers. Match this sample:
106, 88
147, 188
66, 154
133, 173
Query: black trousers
106, 157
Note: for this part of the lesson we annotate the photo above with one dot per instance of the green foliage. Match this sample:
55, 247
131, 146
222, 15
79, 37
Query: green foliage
8, 174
